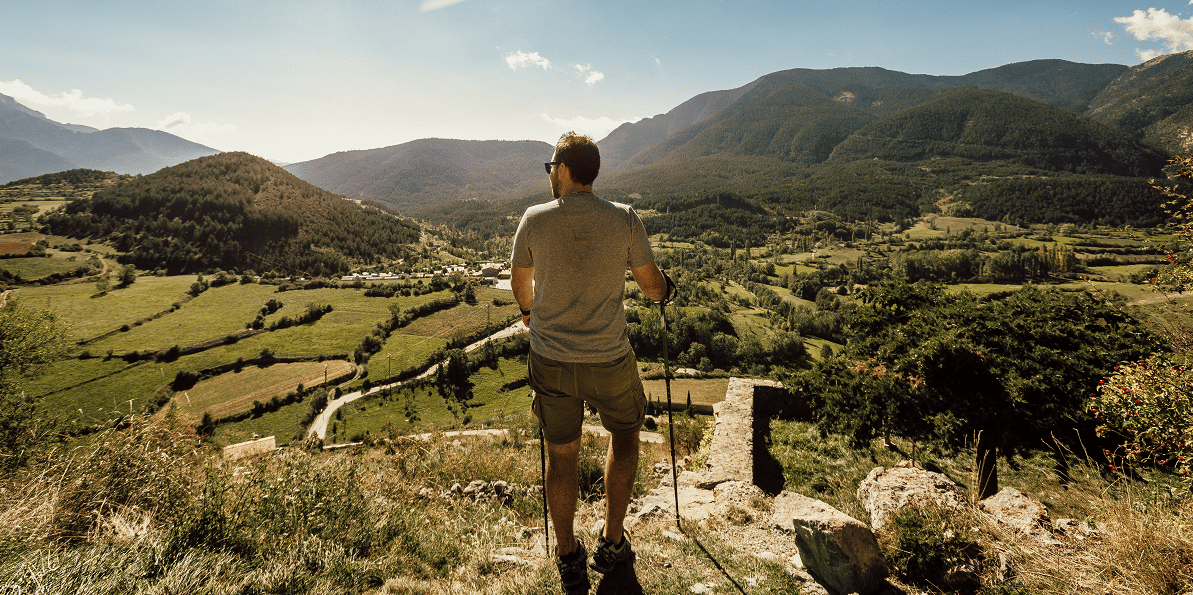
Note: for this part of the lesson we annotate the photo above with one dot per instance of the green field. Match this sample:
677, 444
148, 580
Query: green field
372, 413
90, 316
35, 267
235, 392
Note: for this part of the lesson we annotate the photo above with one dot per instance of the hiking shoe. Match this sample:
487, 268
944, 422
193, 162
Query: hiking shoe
572, 571
607, 555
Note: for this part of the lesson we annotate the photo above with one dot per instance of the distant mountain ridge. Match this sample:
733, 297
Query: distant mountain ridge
427, 172
775, 127
66, 146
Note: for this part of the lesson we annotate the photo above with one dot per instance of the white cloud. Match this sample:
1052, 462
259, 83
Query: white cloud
597, 128
433, 4
204, 133
520, 59
1106, 36
1174, 32
590, 76
72, 100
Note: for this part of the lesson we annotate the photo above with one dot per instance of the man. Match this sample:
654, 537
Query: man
569, 261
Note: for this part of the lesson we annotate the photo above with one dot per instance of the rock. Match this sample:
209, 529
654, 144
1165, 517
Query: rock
886, 491
1075, 529
838, 549
1012, 508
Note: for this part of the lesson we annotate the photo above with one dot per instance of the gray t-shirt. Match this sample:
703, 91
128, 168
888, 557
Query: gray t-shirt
580, 246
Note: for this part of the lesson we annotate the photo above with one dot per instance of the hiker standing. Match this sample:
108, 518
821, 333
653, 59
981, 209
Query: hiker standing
569, 261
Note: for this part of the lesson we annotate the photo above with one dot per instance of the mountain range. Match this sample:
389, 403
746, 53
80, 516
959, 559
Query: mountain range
32, 144
1031, 118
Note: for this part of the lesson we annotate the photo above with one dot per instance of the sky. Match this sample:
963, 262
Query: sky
295, 80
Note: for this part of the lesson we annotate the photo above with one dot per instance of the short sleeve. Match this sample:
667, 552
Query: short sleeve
640, 252
521, 256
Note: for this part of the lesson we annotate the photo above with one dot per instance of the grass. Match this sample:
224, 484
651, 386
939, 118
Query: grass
215, 313
490, 402
282, 424
234, 392
90, 316
703, 391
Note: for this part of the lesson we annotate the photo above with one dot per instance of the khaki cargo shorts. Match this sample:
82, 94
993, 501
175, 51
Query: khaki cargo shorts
561, 389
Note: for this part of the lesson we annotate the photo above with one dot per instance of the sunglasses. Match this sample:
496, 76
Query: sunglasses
547, 165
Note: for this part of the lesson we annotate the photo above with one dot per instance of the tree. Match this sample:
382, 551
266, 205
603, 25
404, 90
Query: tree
452, 379
1178, 276
128, 276
928, 364
29, 340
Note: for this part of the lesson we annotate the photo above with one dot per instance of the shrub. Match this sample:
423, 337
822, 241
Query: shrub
1147, 405
926, 547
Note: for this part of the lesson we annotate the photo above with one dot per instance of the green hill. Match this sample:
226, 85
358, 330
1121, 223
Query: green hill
234, 211
427, 172
1152, 102
988, 125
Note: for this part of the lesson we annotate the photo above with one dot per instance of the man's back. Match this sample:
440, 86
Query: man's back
580, 247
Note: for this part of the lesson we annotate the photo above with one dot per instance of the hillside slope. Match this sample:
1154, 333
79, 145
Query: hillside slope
1153, 102
428, 172
234, 211
988, 125
23, 160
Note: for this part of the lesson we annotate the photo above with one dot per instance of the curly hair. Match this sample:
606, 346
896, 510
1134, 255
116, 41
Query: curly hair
581, 155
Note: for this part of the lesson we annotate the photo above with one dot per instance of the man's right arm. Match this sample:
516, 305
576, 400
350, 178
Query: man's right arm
651, 281
522, 282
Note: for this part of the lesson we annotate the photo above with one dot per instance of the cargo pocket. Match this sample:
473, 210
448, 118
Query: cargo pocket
543, 375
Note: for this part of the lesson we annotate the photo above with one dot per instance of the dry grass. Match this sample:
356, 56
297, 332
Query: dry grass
1143, 545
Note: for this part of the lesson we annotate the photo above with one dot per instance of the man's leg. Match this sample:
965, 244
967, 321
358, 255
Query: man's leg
563, 488
621, 468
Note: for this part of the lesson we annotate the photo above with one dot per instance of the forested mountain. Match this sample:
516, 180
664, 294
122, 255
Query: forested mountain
234, 211
988, 125
432, 171
864, 143
1153, 102
878, 91
122, 150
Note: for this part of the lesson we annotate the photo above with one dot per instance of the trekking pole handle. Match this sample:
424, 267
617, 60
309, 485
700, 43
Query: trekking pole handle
671, 288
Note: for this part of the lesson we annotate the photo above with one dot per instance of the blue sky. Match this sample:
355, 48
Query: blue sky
299, 79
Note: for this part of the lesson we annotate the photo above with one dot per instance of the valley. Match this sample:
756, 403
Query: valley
958, 271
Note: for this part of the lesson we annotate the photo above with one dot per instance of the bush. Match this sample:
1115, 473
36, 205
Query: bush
926, 547
1148, 406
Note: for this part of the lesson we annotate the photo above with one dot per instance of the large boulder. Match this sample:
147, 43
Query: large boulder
887, 490
1014, 509
836, 548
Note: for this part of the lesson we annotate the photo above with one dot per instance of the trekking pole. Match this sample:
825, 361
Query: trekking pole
667, 383
543, 461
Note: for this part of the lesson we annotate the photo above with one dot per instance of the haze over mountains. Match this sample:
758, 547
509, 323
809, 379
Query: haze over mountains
31, 145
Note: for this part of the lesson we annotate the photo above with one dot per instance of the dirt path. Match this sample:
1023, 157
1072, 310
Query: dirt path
319, 426
4, 297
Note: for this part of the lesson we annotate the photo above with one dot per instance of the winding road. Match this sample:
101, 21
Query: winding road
319, 426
